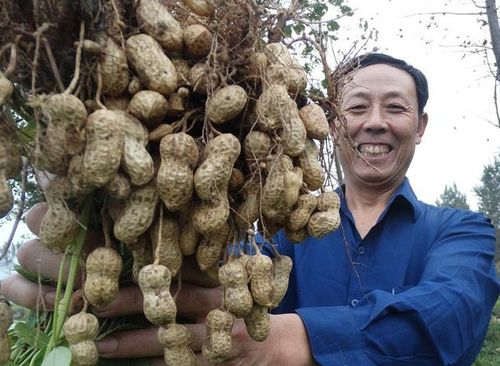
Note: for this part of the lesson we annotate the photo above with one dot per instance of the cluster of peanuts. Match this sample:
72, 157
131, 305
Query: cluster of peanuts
171, 192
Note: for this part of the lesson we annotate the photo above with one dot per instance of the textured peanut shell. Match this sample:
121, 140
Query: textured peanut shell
282, 266
166, 243
59, 226
328, 201
118, 187
210, 215
134, 86
255, 66
80, 186
159, 306
138, 213
217, 345
84, 353
154, 68
197, 39
103, 268
182, 67
81, 327
277, 54
273, 107
114, 69
293, 133
248, 211
200, 78
149, 106
6, 318
273, 201
260, 269
10, 158
188, 236
154, 17
4, 348
6, 88
315, 122
293, 183
174, 180
237, 296
103, 152
177, 340
210, 248
314, 176
258, 323
226, 103
136, 160
322, 223
299, 217
256, 145
200, 7
6, 197
236, 180
297, 236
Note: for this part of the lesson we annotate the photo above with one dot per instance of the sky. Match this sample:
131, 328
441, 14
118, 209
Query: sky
459, 140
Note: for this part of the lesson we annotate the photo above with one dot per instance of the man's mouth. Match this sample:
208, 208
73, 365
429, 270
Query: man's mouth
374, 150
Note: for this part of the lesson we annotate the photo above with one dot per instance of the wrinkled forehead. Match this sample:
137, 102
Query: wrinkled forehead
379, 80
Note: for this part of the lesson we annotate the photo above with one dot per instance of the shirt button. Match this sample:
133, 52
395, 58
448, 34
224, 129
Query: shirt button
354, 302
361, 250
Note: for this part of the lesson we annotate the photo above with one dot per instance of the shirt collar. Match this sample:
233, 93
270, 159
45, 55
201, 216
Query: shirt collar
403, 196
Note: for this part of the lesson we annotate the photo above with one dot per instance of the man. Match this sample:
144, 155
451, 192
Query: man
400, 283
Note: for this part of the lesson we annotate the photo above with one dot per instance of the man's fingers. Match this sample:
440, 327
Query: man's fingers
128, 301
37, 259
34, 217
195, 301
131, 344
28, 294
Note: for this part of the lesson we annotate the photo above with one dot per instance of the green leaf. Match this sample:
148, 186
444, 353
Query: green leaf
60, 356
298, 28
332, 25
31, 335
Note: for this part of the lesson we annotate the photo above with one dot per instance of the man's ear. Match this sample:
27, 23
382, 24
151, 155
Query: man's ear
422, 124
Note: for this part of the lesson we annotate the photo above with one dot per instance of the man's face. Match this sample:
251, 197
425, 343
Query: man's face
381, 110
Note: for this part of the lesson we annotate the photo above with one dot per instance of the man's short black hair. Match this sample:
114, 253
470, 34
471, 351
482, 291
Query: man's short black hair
381, 58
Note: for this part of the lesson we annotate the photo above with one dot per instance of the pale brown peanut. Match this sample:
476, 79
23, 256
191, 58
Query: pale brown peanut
6, 198
200, 78
211, 178
237, 296
236, 180
282, 266
103, 152
59, 225
149, 106
114, 68
293, 183
154, 17
258, 323
293, 133
188, 236
256, 145
226, 103
274, 204
306, 204
134, 86
6, 88
177, 340
80, 186
197, 39
210, 215
248, 211
159, 306
138, 214
142, 252
63, 136
255, 66
217, 345
315, 122
211, 247
136, 160
102, 268
118, 187
182, 67
260, 271
327, 218
277, 54
10, 157
179, 155
166, 243
80, 330
153, 67
314, 176
297, 236
6, 318
273, 107
200, 7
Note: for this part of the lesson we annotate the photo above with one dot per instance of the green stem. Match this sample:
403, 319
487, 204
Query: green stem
75, 249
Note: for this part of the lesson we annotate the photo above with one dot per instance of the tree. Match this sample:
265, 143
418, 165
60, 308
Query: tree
488, 193
452, 197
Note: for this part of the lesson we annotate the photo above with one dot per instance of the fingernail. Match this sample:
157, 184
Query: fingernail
49, 298
107, 345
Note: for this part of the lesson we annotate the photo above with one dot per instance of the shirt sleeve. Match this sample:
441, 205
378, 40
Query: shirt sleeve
440, 321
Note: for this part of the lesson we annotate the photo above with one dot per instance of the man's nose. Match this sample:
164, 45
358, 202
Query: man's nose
375, 120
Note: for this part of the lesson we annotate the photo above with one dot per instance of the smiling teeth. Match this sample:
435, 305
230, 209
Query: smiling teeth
374, 150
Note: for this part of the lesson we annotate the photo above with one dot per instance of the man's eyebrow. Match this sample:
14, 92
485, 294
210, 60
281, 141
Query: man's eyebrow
367, 95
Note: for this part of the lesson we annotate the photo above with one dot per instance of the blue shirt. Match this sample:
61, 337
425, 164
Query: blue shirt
417, 290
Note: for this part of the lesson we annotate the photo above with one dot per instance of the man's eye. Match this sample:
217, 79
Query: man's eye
395, 108
357, 108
